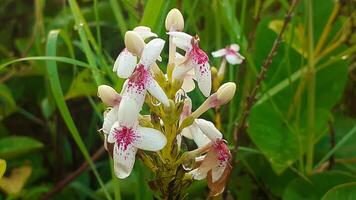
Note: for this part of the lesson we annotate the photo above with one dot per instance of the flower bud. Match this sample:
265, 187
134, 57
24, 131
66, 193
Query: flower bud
134, 43
108, 95
226, 92
174, 20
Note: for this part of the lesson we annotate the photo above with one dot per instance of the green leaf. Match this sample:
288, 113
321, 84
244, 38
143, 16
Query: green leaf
14, 146
14, 183
2, 167
278, 125
82, 85
152, 12
345, 191
57, 93
319, 184
7, 102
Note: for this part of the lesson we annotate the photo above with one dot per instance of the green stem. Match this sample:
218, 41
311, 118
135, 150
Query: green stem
310, 91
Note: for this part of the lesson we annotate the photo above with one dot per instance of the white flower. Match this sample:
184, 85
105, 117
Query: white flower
218, 155
127, 136
195, 58
126, 61
141, 78
230, 53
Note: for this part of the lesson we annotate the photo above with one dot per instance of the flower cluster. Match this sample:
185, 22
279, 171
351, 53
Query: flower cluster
157, 137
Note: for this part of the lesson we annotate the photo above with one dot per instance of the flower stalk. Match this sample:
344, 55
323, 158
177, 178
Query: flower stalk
156, 138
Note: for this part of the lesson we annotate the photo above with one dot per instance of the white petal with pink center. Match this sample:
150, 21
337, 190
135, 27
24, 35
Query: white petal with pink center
195, 58
125, 64
142, 80
127, 136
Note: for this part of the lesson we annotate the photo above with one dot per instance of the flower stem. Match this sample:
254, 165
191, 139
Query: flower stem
310, 91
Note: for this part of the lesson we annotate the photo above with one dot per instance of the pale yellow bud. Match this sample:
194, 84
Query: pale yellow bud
226, 92
174, 20
134, 43
108, 95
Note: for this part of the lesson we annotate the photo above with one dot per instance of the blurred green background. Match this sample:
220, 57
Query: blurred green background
49, 112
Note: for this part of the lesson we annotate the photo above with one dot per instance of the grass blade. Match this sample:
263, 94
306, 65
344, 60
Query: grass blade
59, 99
119, 18
52, 58
152, 12
337, 146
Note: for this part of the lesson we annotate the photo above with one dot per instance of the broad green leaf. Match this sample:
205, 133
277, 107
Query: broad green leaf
319, 184
7, 102
345, 191
16, 181
2, 167
82, 85
14, 146
276, 127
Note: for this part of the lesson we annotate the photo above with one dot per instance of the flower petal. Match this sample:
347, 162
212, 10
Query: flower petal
151, 52
233, 59
218, 171
109, 119
111, 137
149, 139
155, 90
180, 71
179, 58
144, 32
124, 160
198, 136
128, 113
219, 53
208, 129
235, 47
198, 175
203, 77
133, 93
188, 83
186, 132
125, 64
182, 40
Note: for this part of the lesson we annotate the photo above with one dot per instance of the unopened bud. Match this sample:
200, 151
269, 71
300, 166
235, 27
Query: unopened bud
108, 95
134, 43
174, 20
226, 92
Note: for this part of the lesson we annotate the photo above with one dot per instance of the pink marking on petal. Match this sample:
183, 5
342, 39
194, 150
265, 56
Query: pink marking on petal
198, 55
222, 149
139, 79
230, 51
125, 136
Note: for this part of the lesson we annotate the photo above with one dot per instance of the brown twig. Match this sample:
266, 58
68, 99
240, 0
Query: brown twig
241, 126
64, 182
